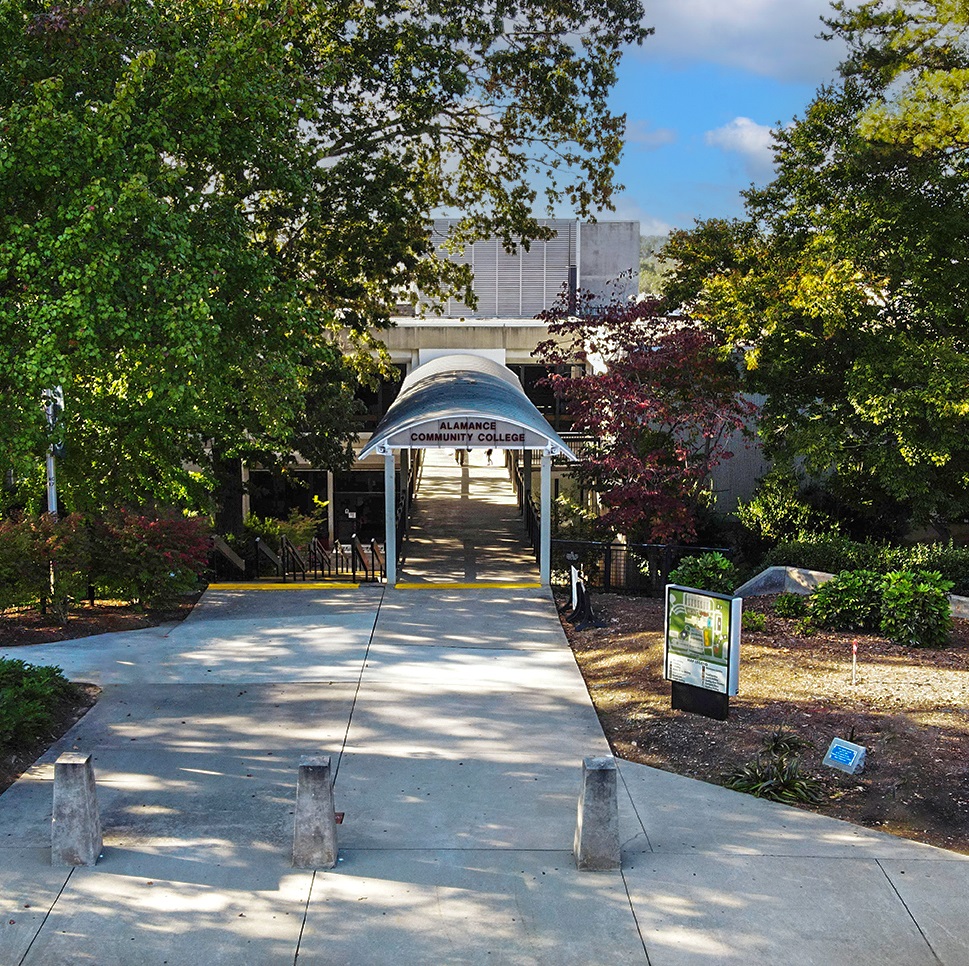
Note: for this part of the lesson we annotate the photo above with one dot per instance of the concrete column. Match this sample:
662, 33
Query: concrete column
545, 524
314, 837
75, 837
597, 825
390, 513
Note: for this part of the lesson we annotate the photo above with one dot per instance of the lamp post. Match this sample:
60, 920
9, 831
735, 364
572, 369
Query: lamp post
53, 407
53, 400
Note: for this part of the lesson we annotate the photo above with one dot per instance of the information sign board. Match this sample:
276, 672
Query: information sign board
702, 647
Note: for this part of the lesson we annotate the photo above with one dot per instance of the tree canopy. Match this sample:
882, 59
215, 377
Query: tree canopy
847, 285
208, 205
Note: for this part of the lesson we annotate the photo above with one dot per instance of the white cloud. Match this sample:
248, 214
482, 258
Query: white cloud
753, 142
650, 138
774, 38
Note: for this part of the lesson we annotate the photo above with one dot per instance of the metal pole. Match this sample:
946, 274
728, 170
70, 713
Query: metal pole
51, 484
390, 517
545, 540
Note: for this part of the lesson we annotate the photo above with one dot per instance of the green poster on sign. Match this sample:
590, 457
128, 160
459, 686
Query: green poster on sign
702, 639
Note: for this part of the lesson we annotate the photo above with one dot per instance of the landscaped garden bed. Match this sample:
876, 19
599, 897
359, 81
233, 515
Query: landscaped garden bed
909, 707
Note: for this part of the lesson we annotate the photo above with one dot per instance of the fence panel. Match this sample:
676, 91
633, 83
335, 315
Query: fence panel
633, 568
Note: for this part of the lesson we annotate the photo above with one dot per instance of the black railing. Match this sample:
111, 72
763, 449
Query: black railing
343, 561
405, 501
291, 561
634, 568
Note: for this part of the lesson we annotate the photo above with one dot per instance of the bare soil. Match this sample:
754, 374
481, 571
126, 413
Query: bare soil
909, 707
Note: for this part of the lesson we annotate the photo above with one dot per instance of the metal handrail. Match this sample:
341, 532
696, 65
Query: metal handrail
319, 559
291, 560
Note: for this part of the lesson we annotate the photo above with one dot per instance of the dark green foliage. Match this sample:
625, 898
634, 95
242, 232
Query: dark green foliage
909, 606
791, 605
829, 553
753, 621
946, 558
783, 742
28, 696
915, 608
834, 552
849, 602
775, 774
708, 571
777, 511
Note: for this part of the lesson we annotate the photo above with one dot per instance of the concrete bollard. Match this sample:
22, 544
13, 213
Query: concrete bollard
597, 826
76, 825
314, 838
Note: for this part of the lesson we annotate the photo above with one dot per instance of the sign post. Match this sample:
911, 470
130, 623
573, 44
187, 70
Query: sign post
702, 649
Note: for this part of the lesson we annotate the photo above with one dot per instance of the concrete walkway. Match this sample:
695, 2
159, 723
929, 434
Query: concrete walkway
465, 525
457, 721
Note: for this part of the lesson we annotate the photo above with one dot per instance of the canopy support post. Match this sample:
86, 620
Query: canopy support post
545, 521
390, 517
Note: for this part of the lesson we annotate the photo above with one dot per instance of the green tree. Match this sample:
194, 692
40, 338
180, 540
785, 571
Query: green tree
208, 205
847, 289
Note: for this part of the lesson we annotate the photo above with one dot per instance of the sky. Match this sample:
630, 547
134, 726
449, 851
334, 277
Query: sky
701, 97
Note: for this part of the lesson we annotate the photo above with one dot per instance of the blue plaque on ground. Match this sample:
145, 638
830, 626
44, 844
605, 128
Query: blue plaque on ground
845, 756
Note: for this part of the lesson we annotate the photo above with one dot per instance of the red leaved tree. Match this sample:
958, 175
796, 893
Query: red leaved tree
660, 398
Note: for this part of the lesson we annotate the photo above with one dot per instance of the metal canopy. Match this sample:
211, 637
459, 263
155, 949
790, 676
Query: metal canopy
464, 402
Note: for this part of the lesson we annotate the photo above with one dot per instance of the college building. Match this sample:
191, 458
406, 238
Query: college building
599, 258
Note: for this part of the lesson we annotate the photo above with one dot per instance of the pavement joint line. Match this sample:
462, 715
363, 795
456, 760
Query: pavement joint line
47, 916
356, 693
915, 921
632, 909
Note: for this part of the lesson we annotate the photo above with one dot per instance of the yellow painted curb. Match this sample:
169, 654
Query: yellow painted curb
478, 586
308, 585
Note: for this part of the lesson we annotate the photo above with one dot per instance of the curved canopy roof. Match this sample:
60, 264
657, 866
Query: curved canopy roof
463, 402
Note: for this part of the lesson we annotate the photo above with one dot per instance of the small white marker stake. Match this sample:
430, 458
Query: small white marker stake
854, 663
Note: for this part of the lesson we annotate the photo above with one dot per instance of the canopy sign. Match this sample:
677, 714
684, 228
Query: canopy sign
466, 432
702, 639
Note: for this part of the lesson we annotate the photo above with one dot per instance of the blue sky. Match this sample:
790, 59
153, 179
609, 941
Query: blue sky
701, 96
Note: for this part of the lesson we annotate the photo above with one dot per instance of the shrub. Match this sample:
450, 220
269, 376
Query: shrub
28, 696
946, 558
791, 606
753, 621
708, 571
777, 511
849, 602
160, 555
915, 608
830, 553
775, 774
833, 553
28, 547
782, 742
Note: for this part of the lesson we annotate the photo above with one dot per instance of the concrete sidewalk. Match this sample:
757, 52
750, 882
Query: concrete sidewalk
457, 721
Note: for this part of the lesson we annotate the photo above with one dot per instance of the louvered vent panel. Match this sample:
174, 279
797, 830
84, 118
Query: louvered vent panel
485, 277
509, 283
533, 280
558, 256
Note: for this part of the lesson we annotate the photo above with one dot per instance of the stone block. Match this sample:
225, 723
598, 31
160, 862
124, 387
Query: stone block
597, 824
314, 837
76, 822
